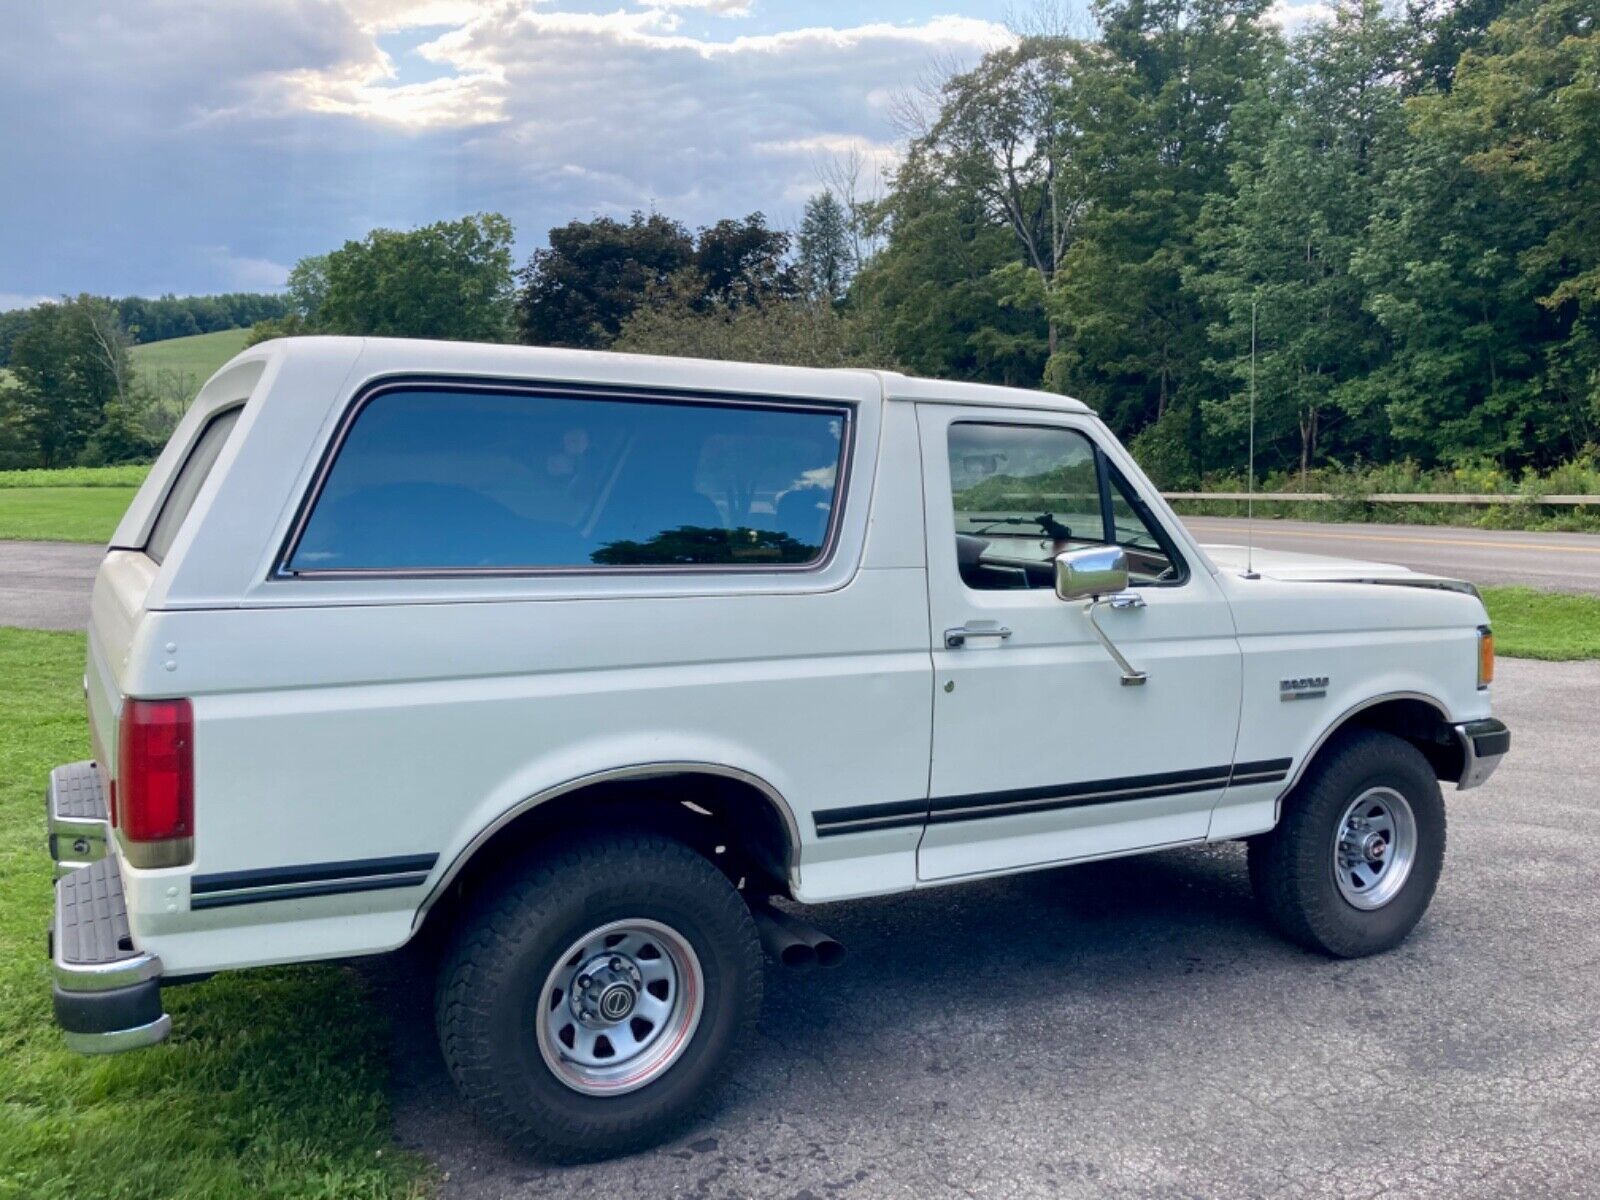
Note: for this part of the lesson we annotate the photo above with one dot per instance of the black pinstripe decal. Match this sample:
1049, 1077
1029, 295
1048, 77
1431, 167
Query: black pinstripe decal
226, 888
977, 806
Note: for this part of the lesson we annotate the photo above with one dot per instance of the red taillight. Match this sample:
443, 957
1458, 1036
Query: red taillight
155, 782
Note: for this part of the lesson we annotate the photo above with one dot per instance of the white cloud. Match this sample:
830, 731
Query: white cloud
281, 127
246, 274
1293, 17
722, 8
10, 300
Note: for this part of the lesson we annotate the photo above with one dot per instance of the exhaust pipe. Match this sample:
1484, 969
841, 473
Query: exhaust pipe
793, 942
779, 941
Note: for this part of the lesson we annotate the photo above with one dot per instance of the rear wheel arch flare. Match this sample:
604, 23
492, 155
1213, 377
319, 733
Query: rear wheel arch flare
737, 808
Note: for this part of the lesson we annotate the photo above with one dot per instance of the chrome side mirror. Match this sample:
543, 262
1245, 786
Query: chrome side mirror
1091, 572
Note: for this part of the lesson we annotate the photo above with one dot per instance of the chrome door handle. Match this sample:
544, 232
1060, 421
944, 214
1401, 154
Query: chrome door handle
1127, 600
956, 638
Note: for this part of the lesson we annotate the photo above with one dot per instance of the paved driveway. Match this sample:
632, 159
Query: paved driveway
45, 585
1556, 562
1131, 1029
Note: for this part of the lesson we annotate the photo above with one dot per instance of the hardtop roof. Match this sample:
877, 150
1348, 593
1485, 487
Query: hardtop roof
421, 355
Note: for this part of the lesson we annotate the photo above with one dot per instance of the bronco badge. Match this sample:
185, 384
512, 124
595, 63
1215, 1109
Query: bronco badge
1311, 687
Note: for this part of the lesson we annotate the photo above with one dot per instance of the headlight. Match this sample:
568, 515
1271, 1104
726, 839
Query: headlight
1485, 656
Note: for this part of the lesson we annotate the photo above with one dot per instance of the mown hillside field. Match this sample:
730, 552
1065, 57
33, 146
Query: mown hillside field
194, 357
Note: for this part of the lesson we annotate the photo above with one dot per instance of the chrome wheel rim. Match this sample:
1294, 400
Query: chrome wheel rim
619, 1007
1374, 847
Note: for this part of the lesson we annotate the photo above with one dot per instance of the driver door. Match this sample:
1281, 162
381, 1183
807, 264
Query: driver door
1041, 753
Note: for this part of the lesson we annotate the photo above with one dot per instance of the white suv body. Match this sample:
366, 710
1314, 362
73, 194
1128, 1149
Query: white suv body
860, 668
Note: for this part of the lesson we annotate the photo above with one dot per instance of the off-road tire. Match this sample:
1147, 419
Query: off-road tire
1292, 869
505, 947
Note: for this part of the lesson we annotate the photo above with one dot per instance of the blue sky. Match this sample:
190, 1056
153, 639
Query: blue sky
205, 145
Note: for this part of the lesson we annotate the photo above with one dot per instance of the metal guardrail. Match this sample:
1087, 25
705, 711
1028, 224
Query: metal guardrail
1393, 497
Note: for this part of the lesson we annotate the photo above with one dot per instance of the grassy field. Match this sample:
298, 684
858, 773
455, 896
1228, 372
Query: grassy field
124, 476
72, 504
272, 1083
196, 357
62, 514
1533, 624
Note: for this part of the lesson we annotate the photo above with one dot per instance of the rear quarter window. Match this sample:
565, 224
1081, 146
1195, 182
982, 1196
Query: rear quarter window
186, 485
456, 479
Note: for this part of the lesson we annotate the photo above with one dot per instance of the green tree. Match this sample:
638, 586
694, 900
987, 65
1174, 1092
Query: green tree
581, 288
71, 373
1281, 241
1006, 136
938, 293
451, 279
1156, 106
744, 262
1484, 258
799, 332
825, 255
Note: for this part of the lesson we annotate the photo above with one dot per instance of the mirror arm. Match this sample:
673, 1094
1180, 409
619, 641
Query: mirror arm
1130, 677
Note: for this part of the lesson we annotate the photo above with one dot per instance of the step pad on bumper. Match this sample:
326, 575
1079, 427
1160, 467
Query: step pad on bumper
107, 993
77, 817
92, 916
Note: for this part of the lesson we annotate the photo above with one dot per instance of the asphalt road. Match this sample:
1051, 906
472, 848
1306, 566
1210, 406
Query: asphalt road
45, 585
1133, 1029
1556, 562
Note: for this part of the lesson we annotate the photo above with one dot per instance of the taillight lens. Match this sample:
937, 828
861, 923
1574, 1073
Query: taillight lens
155, 782
1485, 657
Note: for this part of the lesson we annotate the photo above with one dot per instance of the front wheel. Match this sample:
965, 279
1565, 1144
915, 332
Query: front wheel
1353, 863
593, 999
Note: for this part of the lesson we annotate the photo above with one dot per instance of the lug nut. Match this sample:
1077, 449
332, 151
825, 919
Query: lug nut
616, 964
583, 982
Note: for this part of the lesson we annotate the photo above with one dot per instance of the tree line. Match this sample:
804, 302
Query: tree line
1390, 222
146, 319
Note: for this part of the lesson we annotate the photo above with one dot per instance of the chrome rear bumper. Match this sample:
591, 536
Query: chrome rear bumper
107, 992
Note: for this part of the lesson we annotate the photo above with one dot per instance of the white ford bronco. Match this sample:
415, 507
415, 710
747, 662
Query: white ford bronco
570, 664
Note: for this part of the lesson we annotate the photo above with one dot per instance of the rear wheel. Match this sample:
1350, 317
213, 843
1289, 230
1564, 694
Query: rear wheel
593, 999
1353, 863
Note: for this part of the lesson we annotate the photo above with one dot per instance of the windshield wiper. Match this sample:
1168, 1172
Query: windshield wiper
1044, 521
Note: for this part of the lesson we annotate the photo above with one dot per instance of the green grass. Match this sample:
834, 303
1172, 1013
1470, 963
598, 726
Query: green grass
196, 358
1533, 624
272, 1084
62, 514
123, 476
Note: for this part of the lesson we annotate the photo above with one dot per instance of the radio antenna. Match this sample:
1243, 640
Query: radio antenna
1250, 480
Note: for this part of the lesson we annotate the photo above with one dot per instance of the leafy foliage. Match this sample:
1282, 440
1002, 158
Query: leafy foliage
826, 253
1409, 204
793, 332
447, 280
71, 395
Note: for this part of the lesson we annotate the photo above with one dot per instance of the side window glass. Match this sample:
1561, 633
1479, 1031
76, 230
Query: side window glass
1151, 556
186, 486
463, 480
1021, 494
